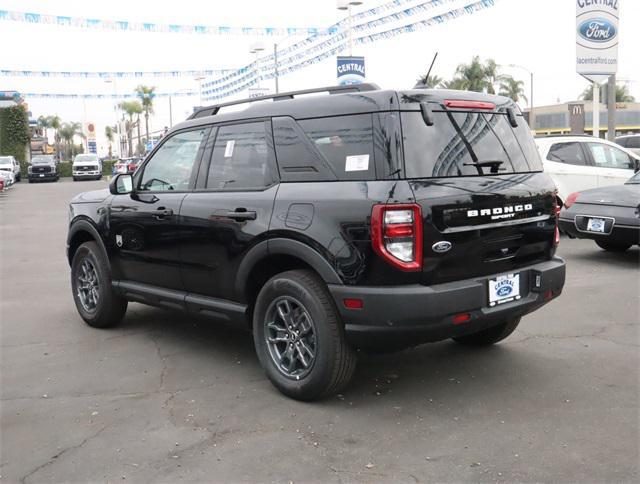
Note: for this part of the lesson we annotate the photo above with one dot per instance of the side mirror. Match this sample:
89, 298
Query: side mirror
121, 184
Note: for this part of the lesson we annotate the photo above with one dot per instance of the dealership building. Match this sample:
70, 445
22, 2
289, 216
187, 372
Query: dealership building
554, 119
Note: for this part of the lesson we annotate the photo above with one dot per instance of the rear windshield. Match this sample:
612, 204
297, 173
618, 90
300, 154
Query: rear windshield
467, 144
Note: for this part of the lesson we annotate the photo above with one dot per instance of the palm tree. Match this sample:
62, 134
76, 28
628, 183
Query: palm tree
131, 108
455, 84
429, 82
43, 123
511, 88
477, 76
622, 93
146, 95
68, 131
109, 132
55, 123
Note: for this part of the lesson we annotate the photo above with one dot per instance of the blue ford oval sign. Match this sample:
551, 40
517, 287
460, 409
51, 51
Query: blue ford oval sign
442, 246
504, 291
597, 30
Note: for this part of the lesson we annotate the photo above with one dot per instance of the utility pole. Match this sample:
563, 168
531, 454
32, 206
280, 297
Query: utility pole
170, 114
275, 65
611, 108
532, 116
595, 115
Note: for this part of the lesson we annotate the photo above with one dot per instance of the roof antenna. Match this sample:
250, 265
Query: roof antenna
430, 67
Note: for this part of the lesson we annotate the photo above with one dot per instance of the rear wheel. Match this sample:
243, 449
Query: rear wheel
612, 246
299, 338
490, 335
93, 294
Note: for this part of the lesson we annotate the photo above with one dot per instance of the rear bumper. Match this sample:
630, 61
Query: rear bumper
417, 314
619, 234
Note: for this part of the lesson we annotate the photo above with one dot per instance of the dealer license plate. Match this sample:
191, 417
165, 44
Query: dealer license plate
504, 289
595, 225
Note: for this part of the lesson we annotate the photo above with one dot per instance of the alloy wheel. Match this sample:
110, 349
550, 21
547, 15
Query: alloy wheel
87, 286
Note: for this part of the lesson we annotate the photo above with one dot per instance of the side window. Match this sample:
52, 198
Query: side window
242, 158
624, 142
570, 153
633, 142
171, 166
606, 156
346, 143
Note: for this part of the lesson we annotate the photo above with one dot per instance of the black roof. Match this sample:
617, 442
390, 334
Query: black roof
342, 100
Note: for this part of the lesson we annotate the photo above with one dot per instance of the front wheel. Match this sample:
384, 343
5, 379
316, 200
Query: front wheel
491, 335
95, 299
299, 337
612, 246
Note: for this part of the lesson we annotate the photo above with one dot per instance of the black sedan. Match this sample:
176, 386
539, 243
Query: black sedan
609, 215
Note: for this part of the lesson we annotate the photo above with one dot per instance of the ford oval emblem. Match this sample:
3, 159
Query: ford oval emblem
442, 246
504, 291
597, 30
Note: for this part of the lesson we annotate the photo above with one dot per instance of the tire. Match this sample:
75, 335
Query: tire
75, 179
612, 246
103, 308
18, 178
491, 335
316, 326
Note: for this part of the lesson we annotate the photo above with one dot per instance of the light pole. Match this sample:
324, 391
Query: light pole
199, 78
255, 49
346, 5
110, 80
532, 117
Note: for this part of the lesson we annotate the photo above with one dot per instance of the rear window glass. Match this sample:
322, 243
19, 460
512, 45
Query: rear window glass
346, 143
467, 144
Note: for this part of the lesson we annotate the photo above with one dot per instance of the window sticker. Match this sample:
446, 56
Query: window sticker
228, 151
357, 163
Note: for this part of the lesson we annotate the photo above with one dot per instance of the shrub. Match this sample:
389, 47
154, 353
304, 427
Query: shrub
14, 132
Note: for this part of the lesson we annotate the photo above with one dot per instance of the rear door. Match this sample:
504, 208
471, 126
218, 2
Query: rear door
480, 186
231, 208
144, 225
613, 165
570, 166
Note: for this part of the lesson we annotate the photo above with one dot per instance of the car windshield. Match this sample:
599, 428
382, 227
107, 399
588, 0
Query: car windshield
634, 180
86, 158
467, 144
41, 159
4, 160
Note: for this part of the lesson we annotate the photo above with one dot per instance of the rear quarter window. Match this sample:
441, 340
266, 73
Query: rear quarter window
345, 143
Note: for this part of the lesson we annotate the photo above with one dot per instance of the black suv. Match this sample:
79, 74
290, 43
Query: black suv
363, 219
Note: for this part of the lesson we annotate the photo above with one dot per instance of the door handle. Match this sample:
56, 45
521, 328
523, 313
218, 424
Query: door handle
240, 214
161, 213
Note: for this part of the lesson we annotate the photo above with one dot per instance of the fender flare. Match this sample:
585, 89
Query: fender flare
84, 225
289, 247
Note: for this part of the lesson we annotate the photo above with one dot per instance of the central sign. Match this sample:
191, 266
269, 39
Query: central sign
597, 38
350, 70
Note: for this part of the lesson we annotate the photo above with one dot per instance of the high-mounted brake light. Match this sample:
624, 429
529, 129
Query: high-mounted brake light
462, 104
571, 199
396, 235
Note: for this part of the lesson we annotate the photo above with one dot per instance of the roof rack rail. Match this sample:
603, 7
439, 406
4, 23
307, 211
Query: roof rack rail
563, 135
201, 112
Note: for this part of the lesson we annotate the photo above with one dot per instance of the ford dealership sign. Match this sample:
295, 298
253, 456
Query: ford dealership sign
597, 38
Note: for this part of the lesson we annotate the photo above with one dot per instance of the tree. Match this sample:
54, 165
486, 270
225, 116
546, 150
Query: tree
429, 82
68, 131
43, 124
130, 108
109, 132
511, 88
477, 76
146, 95
455, 84
622, 93
54, 124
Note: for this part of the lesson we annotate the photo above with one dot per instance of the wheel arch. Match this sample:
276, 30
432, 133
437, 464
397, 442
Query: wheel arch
82, 231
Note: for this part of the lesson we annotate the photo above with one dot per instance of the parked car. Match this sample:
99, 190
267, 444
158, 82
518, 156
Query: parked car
43, 168
609, 215
1, 184
8, 177
630, 142
125, 165
577, 163
9, 163
366, 218
86, 166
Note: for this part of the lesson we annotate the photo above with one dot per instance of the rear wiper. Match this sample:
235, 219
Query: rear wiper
493, 164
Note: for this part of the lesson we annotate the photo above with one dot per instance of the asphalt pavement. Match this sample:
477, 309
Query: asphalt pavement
166, 398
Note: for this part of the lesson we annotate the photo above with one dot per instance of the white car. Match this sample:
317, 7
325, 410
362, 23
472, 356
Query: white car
9, 163
577, 163
630, 142
8, 177
86, 166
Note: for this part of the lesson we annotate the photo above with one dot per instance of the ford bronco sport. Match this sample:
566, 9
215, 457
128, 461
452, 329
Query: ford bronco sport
362, 219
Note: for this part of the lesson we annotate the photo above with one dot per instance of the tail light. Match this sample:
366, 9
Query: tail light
556, 232
396, 235
463, 104
571, 199
131, 167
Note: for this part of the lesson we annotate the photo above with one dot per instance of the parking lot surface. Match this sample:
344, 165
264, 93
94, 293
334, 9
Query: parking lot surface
167, 398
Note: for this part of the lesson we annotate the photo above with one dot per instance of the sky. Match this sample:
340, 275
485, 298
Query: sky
536, 34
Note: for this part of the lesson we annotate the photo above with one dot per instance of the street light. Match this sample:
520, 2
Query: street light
532, 117
110, 80
255, 49
346, 5
199, 78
